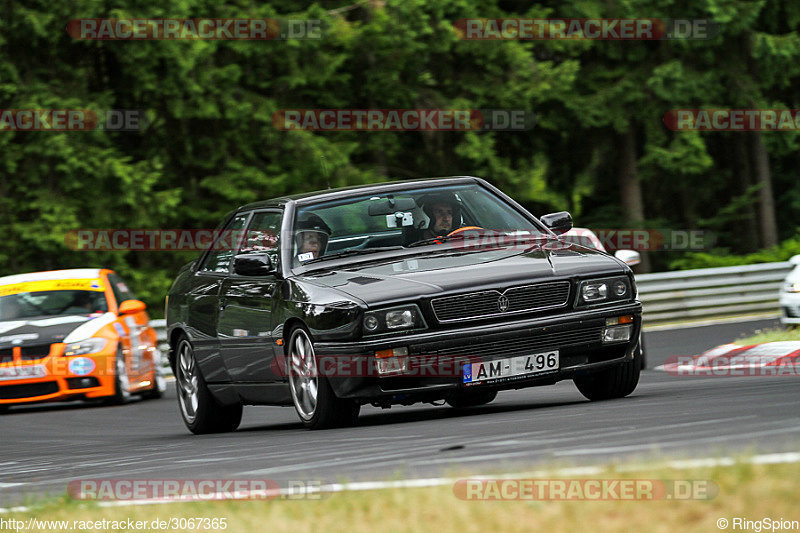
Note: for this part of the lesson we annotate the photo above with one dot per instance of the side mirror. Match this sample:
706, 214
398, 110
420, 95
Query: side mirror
629, 257
131, 307
253, 265
558, 223
795, 260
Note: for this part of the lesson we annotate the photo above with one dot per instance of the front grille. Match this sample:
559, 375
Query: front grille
488, 303
521, 343
15, 392
28, 353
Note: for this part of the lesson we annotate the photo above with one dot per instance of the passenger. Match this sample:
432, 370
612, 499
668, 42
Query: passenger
311, 237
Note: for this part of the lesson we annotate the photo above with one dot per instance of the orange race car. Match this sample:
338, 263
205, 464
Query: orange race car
75, 334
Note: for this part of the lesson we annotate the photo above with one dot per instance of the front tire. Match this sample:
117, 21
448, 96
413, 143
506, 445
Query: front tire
314, 400
200, 411
122, 385
616, 382
159, 383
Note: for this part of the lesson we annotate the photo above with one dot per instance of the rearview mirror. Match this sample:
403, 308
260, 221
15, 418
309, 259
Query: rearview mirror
629, 257
131, 307
389, 205
558, 223
253, 265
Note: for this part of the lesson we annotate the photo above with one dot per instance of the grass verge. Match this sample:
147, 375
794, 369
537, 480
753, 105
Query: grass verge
749, 491
771, 335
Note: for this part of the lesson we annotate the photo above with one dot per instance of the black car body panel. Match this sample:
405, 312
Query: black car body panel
238, 325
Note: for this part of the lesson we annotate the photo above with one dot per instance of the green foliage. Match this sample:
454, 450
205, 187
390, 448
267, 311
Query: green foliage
722, 257
210, 144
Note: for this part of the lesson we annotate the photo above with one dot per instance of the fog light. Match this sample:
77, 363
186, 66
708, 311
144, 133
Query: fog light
617, 334
393, 361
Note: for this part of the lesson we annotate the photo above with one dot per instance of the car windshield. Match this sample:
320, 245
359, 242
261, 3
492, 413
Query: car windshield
404, 219
51, 303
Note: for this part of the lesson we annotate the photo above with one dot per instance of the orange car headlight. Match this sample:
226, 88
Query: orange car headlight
93, 345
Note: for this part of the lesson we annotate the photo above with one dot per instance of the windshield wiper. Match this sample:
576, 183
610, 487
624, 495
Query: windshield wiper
351, 252
437, 240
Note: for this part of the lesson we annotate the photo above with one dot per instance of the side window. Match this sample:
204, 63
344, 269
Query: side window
120, 289
263, 234
219, 258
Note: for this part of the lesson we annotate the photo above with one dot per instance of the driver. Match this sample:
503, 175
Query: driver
444, 213
311, 236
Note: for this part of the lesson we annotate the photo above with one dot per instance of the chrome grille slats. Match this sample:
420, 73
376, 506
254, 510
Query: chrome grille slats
521, 299
522, 344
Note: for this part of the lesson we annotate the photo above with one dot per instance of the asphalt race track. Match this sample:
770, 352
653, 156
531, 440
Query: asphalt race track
44, 447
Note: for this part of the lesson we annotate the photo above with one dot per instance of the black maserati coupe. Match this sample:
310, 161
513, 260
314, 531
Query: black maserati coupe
396, 293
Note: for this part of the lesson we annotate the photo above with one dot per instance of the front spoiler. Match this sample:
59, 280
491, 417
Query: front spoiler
584, 357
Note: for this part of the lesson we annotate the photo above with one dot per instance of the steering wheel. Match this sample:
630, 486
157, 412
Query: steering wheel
465, 228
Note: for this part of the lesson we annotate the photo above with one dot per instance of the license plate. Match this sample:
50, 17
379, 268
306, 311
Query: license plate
501, 369
22, 372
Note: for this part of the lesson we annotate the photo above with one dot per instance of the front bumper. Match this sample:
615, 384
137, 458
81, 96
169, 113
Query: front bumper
790, 308
575, 334
53, 378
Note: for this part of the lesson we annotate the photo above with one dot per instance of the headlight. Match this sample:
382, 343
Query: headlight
93, 345
598, 291
396, 318
792, 287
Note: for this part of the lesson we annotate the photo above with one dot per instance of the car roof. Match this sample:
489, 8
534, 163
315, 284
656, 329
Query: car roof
355, 190
49, 275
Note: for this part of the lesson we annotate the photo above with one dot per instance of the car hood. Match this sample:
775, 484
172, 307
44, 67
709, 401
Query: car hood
432, 275
47, 330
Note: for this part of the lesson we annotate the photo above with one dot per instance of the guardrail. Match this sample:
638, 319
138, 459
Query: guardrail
699, 293
711, 292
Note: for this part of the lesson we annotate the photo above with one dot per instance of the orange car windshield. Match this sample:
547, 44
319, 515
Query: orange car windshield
51, 303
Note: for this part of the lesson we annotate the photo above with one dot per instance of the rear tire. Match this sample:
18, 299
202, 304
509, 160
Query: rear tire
316, 404
616, 382
200, 411
464, 399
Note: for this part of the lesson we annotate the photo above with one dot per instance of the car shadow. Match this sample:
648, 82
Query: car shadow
63, 406
399, 415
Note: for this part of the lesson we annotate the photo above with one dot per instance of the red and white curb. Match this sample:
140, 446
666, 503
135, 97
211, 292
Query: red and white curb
780, 358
